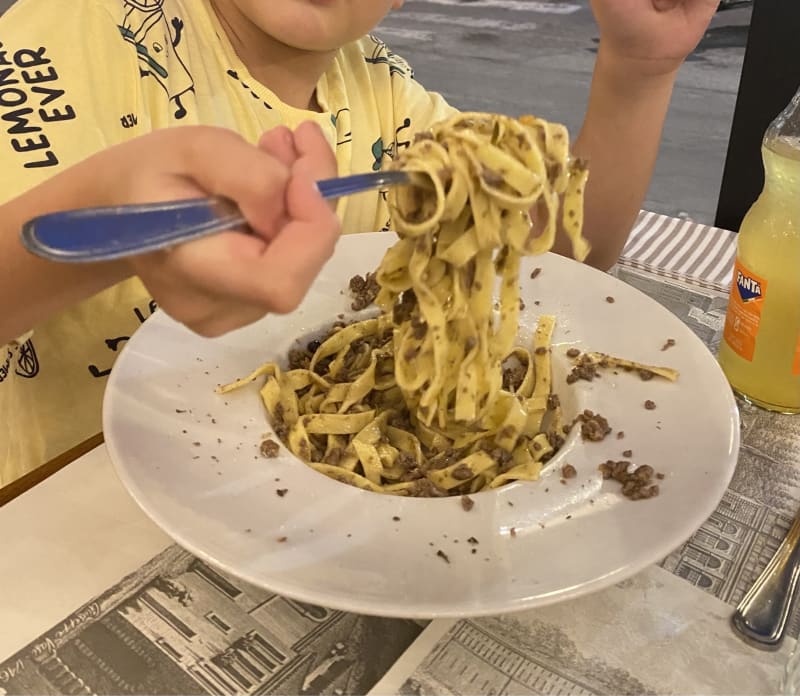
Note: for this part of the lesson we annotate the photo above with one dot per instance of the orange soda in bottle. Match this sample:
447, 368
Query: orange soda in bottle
760, 350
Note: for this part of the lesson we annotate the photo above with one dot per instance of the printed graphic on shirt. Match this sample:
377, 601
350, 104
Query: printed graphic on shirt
382, 55
115, 343
27, 360
156, 39
5, 366
341, 122
23, 360
31, 100
235, 75
381, 150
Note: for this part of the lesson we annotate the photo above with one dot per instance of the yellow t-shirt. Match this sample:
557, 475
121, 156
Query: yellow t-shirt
76, 77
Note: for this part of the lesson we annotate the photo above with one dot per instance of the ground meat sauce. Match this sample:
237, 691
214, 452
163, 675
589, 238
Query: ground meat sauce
556, 441
468, 276
503, 458
584, 369
568, 471
279, 425
419, 328
637, 484
594, 427
513, 375
401, 312
492, 178
425, 488
299, 359
334, 456
443, 459
363, 290
270, 448
406, 461
462, 473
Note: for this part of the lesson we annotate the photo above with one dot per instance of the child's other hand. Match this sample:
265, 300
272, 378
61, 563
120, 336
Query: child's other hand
225, 281
654, 35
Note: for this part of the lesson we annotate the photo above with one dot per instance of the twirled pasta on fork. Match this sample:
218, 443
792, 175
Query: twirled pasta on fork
421, 400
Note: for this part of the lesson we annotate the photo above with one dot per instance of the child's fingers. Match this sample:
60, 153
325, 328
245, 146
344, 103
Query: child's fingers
223, 163
281, 275
220, 318
225, 281
301, 250
273, 275
206, 312
279, 142
315, 155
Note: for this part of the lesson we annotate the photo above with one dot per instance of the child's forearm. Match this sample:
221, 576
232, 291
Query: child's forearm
620, 138
34, 288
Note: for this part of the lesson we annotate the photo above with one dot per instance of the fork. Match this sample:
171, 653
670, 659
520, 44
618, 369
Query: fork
763, 614
102, 234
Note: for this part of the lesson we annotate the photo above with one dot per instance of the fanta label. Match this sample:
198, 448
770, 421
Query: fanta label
749, 287
744, 311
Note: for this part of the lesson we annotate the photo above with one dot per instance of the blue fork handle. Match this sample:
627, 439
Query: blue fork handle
103, 234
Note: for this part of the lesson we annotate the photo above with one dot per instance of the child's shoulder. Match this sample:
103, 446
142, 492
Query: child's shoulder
373, 52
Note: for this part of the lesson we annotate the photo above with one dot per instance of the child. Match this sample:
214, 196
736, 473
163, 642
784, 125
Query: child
79, 75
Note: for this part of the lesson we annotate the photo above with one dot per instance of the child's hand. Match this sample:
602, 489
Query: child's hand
225, 281
655, 35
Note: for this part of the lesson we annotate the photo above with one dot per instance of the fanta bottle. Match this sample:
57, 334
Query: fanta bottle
760, 351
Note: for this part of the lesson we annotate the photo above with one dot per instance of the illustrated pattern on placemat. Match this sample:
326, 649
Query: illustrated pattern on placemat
178, 626
728, 553
731, 549
502, 656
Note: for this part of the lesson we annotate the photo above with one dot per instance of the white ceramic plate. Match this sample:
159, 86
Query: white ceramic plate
191, 460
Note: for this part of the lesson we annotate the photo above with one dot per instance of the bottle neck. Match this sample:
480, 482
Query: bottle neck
786, 123
781, 168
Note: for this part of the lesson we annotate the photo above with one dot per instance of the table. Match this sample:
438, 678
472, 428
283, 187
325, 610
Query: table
96, 599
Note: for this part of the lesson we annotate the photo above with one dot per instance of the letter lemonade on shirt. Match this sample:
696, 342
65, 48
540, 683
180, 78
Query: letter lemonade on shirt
29, 99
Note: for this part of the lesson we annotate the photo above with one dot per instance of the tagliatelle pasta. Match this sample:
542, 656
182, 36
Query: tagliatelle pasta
432, 397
